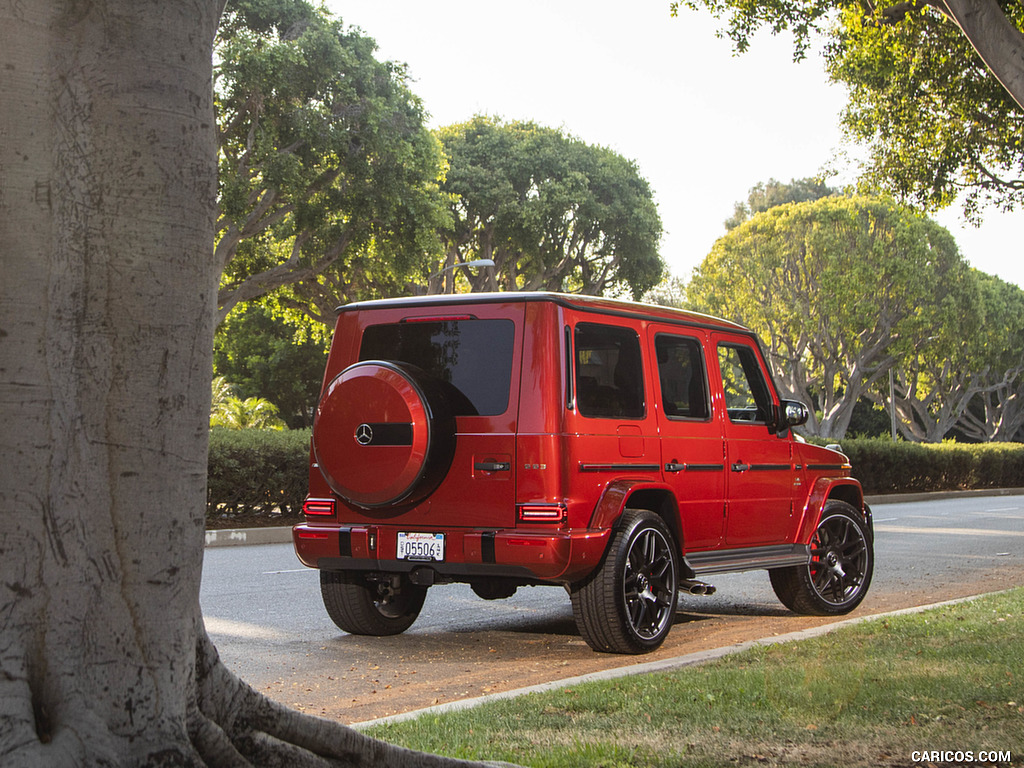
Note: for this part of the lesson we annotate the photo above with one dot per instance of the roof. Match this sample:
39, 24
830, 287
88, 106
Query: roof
575, 301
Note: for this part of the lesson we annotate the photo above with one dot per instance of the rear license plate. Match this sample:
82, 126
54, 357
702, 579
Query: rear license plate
428, 547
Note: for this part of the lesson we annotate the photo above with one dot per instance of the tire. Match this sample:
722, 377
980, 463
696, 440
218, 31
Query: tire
836, 579
628, 605
363, 606
383, 434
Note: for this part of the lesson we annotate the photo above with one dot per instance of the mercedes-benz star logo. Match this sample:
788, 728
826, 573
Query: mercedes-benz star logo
364, 434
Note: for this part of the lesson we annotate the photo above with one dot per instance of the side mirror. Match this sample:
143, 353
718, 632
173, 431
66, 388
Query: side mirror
791, 413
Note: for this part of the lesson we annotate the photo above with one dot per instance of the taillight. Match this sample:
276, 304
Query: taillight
314, 535
542, 513
318, 507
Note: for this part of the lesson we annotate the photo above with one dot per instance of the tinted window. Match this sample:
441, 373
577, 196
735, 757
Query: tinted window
746, 393
609, 373
473, 356
684, 389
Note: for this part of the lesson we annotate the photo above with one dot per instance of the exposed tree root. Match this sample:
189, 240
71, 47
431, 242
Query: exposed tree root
238, 726
230, 725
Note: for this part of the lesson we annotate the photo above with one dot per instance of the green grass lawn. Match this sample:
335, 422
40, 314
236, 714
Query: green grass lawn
873, 694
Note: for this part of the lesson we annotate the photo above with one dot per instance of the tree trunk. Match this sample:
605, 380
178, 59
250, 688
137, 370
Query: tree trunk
998, 42
107, 307
997, 414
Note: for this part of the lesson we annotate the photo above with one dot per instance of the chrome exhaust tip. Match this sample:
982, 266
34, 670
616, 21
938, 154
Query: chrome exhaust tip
693, 587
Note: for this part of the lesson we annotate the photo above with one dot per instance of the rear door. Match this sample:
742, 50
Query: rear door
759, 464
614, 433
692, 446
476, 356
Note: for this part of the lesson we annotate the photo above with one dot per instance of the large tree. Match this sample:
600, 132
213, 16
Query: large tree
328, 176
551, 211
768, 194
997, 410
937, 124
934, 382
265, 356
841, 288
936, 87
107, 310
967, 376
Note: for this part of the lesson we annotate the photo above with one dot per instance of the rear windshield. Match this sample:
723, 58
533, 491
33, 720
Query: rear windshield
473, 356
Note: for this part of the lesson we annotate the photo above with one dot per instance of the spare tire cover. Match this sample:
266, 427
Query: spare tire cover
383, 434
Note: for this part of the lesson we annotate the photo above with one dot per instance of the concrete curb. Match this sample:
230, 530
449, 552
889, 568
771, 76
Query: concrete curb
228, 537
664, 665
909, 498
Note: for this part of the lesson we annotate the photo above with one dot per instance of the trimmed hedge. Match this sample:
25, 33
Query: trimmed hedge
883, 466
256, 477
260, 476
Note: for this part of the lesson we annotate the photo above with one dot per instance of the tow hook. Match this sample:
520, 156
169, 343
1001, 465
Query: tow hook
422, 577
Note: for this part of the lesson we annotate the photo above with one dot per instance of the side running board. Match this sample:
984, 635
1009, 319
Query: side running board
747, 559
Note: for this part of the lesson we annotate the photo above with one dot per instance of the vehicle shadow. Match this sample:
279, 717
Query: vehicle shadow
735, 609
516, 628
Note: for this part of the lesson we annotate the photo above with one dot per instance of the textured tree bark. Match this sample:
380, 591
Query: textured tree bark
107, 310
104, 323
998, 42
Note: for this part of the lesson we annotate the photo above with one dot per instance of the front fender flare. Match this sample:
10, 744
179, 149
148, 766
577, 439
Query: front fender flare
847, 489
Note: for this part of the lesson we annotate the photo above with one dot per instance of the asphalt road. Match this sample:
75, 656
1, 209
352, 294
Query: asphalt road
264, 613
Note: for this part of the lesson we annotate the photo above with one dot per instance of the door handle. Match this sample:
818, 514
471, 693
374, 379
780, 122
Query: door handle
492, 466
674, 467
740, 467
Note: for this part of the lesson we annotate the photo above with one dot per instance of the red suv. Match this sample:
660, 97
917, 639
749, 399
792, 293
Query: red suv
619, 450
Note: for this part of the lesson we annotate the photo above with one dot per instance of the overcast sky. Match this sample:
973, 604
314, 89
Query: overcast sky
702, 125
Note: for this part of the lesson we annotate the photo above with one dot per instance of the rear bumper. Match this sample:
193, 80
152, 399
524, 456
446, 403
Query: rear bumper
551, 556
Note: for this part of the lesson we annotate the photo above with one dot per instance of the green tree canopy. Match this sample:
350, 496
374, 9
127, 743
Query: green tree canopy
329, 180
552, 212
768, 194
936, 88
264, 356
935, 121
842, 289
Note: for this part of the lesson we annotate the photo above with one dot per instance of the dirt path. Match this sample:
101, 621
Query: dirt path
442, 667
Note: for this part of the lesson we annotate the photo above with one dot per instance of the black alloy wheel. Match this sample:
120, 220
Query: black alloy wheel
838, 574
629, 604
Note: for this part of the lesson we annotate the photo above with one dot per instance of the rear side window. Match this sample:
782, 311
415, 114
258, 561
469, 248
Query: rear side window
474, 357
609, 372
684, 388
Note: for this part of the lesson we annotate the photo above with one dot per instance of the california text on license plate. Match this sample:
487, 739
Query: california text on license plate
421, 546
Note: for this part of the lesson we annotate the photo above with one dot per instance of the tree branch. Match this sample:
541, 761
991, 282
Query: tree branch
998, 42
